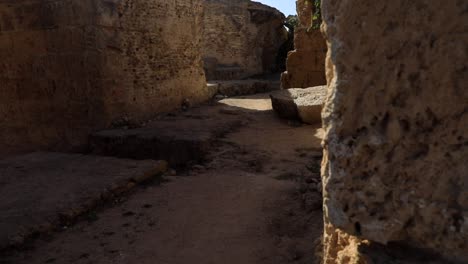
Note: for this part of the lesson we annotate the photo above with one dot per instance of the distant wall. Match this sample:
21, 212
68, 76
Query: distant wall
241, 38
69, 67
395, 168
305, 66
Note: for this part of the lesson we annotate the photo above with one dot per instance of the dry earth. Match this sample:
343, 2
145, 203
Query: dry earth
255, 200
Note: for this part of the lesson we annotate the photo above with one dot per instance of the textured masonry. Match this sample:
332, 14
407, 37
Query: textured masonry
241, 39
306, 64
396, 119
70, 66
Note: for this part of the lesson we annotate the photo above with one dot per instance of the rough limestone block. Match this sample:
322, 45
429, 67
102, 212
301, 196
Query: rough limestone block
283, 103
396, 145
309, 107
301, 104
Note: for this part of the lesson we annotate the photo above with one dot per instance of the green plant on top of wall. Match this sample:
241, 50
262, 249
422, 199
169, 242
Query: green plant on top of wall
317, 14
317, 17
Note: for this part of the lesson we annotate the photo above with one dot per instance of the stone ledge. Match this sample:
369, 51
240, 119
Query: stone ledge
41, 191
244, 87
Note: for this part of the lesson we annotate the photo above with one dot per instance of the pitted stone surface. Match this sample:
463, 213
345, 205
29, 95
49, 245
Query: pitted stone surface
396, 125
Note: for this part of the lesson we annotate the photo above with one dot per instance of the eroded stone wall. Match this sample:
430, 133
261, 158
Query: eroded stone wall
241, 39
306, 63
395, 171
71, 66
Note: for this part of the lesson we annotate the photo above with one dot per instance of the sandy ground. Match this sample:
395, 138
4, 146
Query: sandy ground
42, 190
256, 200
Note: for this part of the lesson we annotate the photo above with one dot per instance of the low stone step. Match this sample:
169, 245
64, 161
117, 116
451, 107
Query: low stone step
42, 190
244, 87
227, 73
177, 139
300, 104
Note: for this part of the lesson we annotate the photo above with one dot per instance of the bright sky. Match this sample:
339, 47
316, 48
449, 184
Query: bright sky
288, 7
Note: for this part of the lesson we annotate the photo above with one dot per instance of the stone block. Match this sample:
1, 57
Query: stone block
300, 104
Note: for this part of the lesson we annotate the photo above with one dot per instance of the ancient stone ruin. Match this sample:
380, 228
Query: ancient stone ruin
303, 82
305, 66
241, 39
115, 149
70, 67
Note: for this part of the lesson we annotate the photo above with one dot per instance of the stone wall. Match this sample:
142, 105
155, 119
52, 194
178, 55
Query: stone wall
71, 66
395, 171
306, 64
241, 38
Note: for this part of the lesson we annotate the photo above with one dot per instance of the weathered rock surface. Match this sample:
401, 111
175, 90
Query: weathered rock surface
306, 64
396, 121
69, 67
301, 104
241, 38
55, 188
178, 138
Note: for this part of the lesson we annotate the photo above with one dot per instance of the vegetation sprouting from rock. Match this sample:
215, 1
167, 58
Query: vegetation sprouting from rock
317, 17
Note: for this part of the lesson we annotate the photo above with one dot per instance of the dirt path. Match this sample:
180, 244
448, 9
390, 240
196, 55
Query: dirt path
255, 201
